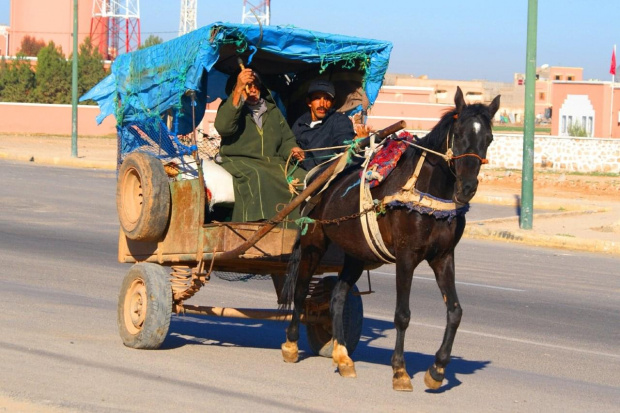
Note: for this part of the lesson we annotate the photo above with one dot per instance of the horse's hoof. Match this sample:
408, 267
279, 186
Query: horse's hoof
290, 352
347, 371
430, 382
401, 381
402, 384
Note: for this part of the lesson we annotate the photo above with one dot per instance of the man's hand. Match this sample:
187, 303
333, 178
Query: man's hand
362, 131
244, 78
298, 153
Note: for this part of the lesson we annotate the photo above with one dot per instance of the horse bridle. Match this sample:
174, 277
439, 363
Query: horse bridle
449, 156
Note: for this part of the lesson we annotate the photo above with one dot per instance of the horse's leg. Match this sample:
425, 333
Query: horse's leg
351, 272
312, 249
405, 265
444, 274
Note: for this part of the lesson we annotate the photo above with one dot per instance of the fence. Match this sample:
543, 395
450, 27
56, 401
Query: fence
557, 153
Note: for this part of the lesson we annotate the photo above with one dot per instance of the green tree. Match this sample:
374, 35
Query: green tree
31, 46
17, 80
90, 68
53, 76
152, 40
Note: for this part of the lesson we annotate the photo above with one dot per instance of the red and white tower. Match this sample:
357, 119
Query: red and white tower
259, 14
115, 27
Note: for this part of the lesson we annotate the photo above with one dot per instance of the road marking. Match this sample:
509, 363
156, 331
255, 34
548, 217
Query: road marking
457, 282
505, 338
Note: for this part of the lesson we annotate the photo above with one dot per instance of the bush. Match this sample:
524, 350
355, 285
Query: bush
53, 76
577, 130
17, 81
31, 46
50, 80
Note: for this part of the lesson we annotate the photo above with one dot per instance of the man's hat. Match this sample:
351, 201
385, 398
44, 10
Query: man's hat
320, 85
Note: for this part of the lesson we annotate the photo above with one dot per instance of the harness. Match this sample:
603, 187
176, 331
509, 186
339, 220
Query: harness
408, 196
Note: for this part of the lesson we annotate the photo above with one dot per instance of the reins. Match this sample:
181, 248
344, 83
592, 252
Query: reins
449, 155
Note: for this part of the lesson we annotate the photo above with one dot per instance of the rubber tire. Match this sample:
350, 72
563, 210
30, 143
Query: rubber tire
145, 306
320, 335
143, 197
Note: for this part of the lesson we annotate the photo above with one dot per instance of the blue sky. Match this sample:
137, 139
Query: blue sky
444, 39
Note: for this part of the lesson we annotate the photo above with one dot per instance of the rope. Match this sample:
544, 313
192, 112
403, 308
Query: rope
482, 160
448, 156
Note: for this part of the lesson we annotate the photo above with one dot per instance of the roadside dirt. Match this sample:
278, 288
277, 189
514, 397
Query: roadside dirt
560, 185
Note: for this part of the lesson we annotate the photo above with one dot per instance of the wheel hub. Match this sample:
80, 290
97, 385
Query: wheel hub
135, 306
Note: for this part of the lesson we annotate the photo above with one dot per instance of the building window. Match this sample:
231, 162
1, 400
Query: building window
558, 77
589, 127
541, 96
571, 78
563, 124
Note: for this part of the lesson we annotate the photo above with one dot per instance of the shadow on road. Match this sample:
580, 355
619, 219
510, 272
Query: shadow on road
229, 332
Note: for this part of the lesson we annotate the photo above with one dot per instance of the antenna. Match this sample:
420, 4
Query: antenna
256, 14
188, 17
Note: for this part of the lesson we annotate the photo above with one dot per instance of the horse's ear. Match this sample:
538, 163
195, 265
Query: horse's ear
494, 106
459, 101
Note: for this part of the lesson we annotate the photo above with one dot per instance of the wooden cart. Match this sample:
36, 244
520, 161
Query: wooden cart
165, 231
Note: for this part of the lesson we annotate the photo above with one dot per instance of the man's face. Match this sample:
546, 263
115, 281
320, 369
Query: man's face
254, 93
319, 103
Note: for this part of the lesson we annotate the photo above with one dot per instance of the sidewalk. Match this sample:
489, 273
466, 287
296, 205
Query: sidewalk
592, 226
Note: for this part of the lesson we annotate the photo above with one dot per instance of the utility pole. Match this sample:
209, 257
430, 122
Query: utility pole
74, 82
527, 173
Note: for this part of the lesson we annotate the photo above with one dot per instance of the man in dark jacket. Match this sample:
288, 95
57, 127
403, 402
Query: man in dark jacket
322, 126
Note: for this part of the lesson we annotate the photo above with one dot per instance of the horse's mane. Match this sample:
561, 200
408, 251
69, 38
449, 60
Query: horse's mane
436, 138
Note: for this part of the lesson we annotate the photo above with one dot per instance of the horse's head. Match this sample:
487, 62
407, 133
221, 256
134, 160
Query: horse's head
469, 139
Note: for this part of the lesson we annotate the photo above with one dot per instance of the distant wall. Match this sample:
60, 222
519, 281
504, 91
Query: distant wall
557, 153
34, 118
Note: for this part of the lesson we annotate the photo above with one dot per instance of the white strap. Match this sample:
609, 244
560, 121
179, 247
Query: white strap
370, 226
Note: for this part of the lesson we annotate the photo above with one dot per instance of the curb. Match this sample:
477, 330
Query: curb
511, 200
57, 161
550, 241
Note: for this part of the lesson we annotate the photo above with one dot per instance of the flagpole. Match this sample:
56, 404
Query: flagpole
611, 107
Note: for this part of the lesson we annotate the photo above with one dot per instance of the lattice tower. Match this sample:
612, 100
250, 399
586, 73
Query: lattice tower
256, 14
188, 17
115, 27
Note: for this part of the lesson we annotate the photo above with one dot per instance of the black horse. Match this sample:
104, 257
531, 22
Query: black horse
411, 232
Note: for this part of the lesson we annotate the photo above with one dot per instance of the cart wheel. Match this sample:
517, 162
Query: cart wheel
145, 306
143, 197
320, 335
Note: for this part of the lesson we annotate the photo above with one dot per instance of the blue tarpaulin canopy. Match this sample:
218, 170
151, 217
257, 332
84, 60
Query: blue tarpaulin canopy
154, 81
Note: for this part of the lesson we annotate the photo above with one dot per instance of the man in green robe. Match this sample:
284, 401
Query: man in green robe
256, 143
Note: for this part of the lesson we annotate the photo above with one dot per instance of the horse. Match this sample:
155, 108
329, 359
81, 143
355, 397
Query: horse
451, 155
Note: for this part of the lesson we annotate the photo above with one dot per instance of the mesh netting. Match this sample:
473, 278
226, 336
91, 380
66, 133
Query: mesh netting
152, 136
155, 81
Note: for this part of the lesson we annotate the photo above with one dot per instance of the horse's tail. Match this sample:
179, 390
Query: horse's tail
292, 271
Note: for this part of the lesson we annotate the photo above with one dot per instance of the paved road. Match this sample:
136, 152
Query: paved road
540, 330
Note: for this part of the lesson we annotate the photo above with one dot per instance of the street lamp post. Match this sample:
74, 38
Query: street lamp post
527, 174
74, 82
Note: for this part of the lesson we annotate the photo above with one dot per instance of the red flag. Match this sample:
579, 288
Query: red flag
612, 69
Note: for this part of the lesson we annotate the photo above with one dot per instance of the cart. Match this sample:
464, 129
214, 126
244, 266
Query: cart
169, 230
